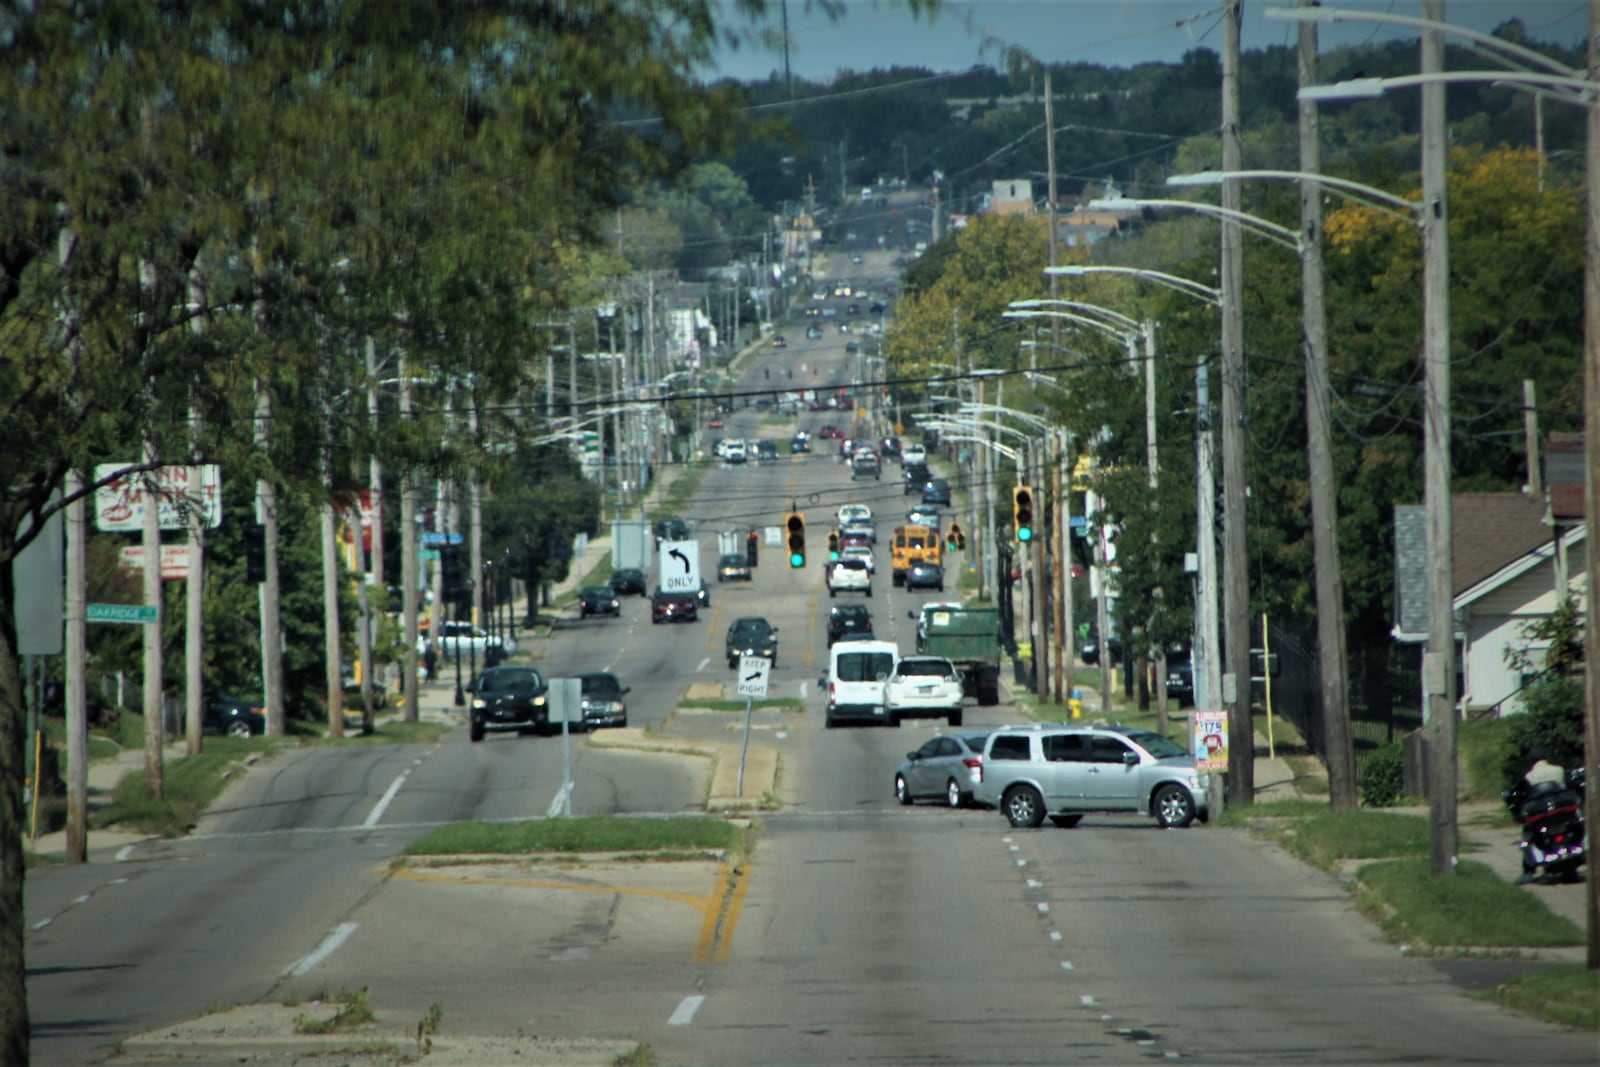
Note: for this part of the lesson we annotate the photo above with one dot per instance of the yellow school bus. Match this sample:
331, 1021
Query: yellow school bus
912, 543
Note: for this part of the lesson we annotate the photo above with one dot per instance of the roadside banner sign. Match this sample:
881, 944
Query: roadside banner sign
119, 504
174, 561
753, 674
680, 566
1210, 740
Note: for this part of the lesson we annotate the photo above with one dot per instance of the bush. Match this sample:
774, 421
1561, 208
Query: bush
1552, 723
1381, 778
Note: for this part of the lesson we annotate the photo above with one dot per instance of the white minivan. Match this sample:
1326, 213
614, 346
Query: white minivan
857, 672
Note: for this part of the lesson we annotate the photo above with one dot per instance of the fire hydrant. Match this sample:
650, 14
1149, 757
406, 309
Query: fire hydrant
1075, 702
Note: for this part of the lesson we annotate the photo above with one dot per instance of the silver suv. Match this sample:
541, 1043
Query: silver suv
1031, 772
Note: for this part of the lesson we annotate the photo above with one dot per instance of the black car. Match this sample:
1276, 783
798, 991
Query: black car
849, 619
799, 445
1180, 675
1089, 647
598, 600
630, 580
508, 698
602, 699
752, 636
936, 491
925, 575
916, 476
229, 716
673, 530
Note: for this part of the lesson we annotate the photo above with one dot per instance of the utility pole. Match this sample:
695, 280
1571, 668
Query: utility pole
410, 564
1236, 588
1203, 659
1340, 754
1438, 663
1591, 478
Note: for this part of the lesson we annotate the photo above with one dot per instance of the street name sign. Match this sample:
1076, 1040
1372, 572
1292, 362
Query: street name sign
128, 613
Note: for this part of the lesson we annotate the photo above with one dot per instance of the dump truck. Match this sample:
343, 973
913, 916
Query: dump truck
969, 637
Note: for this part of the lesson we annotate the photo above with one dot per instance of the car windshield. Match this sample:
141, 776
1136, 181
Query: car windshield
600, 685
733, 561
936, 668
865, 666
508, 681
599, 591
1153, 743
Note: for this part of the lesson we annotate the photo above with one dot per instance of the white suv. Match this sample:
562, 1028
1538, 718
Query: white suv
850, 575
1030, 772
913, 456
924, 687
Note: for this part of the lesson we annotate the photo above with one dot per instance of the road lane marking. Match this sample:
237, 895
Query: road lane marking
383, 803
683, 1015
329, 944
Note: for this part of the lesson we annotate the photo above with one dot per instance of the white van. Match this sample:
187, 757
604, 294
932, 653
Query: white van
866, 195
734, 451
857, 671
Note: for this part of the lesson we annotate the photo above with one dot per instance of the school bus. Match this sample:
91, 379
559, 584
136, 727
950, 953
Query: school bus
912, 543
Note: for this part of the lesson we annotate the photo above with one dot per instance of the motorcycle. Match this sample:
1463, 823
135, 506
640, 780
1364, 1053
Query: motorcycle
1553, 833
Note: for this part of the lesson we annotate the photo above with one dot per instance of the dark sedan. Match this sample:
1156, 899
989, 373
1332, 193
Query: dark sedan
602, 699
752, 636
630, 580
733, 567
925, 575
599, 600
936, 491
508, 698
674, 607
848, 619
231, 716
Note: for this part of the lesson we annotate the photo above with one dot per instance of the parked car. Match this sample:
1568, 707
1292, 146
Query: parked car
602, 694
946, 767
674, 607
473, 641
849, 575
598, 600
733, 567
847, 619
1180, 676
1063, 772
936, 491
229, 716
1089, 647
924, 575
924, 687
508, 698
752, 636
630, 580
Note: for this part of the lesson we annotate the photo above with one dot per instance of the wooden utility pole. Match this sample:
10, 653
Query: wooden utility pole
1235, 587
1591, 478
1438, 662
1332, 658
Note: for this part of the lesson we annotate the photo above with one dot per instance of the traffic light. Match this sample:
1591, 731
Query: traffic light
1022, 512
833, 546
255, 552
750, 550
450, 573
796, 525
955, 540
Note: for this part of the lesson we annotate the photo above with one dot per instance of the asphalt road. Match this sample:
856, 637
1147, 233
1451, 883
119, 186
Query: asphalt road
858, 932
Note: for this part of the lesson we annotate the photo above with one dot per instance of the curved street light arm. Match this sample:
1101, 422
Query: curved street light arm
948, 420
1112, 316
1124, 336
1580, 91
1259, 226
1174, 282
1487, 40
1366, 195
1005, 450
1023, 417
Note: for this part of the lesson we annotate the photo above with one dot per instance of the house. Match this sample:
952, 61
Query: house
1013, 196
1511, 565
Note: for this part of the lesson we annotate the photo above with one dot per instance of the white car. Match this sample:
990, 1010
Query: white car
734, 452
863, 554
924, 687
472, 641
850, 575
913, 455
852, 512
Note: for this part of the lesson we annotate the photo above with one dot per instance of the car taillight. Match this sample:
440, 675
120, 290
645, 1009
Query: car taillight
974, 767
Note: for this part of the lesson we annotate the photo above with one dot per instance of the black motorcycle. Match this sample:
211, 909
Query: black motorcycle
1553, 837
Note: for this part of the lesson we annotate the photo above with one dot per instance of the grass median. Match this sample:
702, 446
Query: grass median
1473, 912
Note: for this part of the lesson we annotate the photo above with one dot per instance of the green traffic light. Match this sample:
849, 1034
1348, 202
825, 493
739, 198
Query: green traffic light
1024, 533
796, 559
833, 557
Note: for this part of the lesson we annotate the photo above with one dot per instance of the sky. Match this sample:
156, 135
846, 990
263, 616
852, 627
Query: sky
1120, 33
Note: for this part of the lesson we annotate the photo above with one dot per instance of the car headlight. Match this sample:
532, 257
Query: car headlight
538, 702
478, 703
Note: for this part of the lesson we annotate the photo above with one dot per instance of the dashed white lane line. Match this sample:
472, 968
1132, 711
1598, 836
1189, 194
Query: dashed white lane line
383, 802
1044, 909
683, 1015
1055, 935
329, 944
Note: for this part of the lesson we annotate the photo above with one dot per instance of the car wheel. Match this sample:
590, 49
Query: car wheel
733, 663
831, 592
475, 731
869, 590
902, 791
238, 728
1066, 822
1023, 805
1174, 807
953, 795
954, 718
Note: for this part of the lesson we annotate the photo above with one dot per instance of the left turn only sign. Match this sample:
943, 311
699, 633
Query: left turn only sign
680, 566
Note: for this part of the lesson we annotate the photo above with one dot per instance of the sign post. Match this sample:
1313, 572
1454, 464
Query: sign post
753, 674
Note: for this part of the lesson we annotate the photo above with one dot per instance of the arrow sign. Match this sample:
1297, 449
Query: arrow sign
680, 566
753, 673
